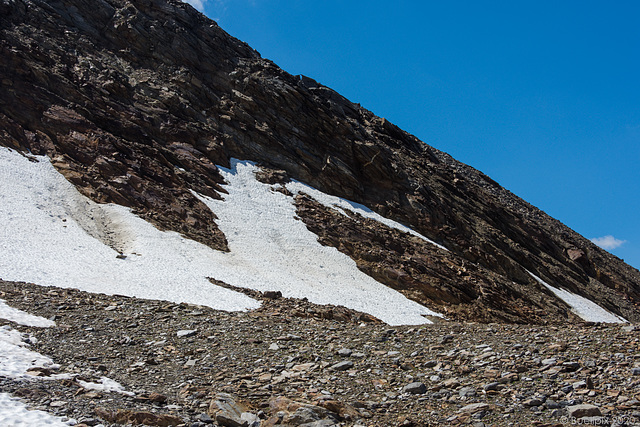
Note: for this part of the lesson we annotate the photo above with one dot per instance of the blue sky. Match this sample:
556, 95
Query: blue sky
543, 96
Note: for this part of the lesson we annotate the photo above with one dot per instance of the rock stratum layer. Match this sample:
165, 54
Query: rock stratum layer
136, 102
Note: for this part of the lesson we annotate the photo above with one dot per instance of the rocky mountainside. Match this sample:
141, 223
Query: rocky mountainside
136, 102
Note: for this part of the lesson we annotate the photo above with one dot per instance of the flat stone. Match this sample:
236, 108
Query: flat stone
415, 388
430, 363
157, 397
342, 366
491, 386
571, 366
344, 352
228, 410
467, 391
549, 362
535, 401
583, 410
579, 384
475, 407
250, 419
205, 418
186, 333
303, 367
306, 414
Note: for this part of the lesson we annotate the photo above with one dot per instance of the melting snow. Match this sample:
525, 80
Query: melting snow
15, 413
15, 358
106, 384
45, 239
270, 250
584, 308
52, 235
23, 318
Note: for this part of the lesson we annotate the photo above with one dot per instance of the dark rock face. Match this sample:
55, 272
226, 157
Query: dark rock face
137, 101
436, 278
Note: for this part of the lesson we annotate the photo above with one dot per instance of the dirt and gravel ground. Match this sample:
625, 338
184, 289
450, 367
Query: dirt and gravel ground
294, 363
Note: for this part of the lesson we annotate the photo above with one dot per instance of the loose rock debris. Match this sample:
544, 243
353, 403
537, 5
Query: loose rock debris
278, 367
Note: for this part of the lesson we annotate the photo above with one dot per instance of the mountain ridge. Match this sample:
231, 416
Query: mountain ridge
137, 102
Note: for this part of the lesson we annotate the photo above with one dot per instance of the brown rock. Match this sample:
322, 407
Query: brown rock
584, 410
343, 410
134, 417
228, 410
157, 397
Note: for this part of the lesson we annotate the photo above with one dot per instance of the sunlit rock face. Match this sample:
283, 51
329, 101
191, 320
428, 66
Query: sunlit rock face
138, 103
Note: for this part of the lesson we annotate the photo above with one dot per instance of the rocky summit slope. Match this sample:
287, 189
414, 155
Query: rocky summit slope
136, 102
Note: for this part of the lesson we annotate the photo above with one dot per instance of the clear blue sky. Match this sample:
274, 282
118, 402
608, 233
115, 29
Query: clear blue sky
542, 96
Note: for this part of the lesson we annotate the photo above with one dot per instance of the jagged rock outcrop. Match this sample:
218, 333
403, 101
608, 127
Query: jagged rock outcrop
137, 101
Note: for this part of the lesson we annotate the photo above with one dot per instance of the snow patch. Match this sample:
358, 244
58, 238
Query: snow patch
582, 307
107, 385
23, 318
15, 358
52, 235
15, 413
342, 205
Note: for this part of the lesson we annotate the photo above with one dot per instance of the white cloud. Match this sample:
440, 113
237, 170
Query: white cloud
608, 242
198, 4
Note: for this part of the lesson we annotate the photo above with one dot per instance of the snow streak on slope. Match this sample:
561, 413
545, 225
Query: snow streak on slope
271, 250
48, 238
23, 318
584, 308
342, 205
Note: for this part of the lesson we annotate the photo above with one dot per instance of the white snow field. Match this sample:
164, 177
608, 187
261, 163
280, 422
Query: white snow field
52, 235
45, 239
582, 307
